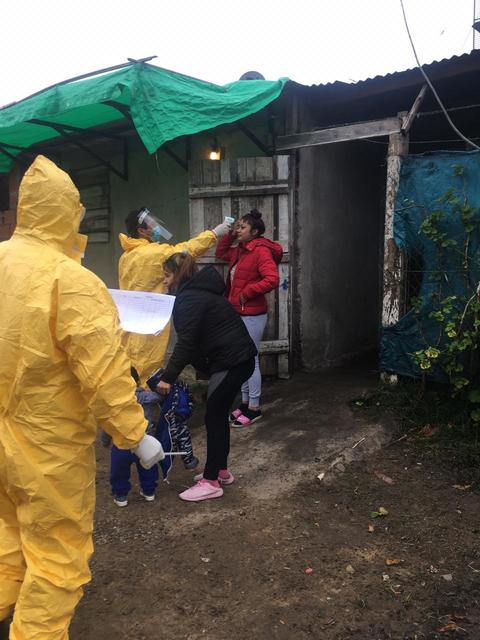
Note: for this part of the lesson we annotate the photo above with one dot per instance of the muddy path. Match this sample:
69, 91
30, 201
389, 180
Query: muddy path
283, 555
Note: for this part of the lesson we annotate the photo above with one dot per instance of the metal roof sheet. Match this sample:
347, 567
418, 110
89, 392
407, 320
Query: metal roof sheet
432, 67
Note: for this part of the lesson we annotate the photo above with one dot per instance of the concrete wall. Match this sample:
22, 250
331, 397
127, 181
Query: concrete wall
339, 233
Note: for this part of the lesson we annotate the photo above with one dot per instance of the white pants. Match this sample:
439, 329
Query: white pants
252, 388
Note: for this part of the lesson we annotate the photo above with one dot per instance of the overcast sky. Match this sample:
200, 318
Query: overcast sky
310, 41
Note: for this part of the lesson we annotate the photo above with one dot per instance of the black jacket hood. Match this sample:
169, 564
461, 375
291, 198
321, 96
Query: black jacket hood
207, 279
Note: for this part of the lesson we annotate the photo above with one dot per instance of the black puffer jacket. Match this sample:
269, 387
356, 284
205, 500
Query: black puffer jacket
210, 334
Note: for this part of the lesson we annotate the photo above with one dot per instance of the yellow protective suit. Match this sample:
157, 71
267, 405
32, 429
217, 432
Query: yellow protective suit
62, 372
141, 269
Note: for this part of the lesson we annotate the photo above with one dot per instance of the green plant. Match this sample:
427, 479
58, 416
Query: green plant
454, 352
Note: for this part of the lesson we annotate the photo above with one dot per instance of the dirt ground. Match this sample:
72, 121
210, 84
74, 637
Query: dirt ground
284, 555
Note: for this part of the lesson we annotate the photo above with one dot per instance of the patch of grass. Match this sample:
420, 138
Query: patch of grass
436, 424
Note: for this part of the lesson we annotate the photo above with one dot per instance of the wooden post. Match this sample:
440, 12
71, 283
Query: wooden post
392, 257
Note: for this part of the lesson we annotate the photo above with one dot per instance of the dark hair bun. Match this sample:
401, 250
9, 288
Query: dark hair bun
255, 214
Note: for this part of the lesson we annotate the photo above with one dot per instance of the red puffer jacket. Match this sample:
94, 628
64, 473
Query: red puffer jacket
256, 272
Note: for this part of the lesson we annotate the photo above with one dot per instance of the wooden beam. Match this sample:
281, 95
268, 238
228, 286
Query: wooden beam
344, 133
235, 192
408, 120
256, 141
9, 155
174, 157
274, 346
211, 260
91, 132
74, 139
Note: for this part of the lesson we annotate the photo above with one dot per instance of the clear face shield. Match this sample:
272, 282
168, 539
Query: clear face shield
159, 231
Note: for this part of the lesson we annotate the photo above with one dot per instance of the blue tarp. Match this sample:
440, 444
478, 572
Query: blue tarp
424, 180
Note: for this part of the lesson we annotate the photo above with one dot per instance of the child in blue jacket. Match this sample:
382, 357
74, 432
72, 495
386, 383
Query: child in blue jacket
121, 460
172, 430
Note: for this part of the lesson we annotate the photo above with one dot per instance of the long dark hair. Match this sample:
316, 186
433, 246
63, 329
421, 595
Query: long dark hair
183, 267
254, 219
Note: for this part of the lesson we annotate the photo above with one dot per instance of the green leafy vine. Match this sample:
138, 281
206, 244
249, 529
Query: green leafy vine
456, 349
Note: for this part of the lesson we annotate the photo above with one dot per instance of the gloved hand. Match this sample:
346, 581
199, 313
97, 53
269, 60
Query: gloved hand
150, 451
222, 229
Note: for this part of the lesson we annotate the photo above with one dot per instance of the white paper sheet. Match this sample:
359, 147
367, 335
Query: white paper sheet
142, 312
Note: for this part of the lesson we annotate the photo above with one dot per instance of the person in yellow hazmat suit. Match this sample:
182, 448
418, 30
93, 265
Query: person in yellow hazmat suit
63, 371
140, 268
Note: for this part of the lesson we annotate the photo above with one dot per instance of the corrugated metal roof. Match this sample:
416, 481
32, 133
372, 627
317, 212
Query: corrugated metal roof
432, 67
381, 96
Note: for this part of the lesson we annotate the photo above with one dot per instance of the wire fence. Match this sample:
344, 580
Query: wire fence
413, 277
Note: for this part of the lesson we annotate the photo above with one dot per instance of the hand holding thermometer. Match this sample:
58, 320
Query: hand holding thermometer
231, 222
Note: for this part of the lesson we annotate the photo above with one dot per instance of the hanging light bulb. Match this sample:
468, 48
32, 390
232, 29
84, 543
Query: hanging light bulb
215, 153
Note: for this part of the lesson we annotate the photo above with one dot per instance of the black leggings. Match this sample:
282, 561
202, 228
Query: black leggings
222, 389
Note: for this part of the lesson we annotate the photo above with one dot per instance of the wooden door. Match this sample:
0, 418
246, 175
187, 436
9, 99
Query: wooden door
232, 188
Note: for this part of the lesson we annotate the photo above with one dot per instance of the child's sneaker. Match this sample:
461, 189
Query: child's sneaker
120, 501
248, 417
191, 464
238, 412
202, 490
149, 497
224, 477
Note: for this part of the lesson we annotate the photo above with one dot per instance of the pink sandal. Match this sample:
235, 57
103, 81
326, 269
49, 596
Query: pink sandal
247, 418
238, 412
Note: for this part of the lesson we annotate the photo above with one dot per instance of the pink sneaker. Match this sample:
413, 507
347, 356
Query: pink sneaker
203, 490
224, 477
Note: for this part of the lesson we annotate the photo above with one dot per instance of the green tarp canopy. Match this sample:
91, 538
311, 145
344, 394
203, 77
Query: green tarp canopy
163, 105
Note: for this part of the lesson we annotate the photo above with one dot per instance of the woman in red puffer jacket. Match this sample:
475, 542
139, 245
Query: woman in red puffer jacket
252, 273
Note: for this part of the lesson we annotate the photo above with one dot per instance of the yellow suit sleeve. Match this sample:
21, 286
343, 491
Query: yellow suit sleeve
153, 255
197, 246
87, 329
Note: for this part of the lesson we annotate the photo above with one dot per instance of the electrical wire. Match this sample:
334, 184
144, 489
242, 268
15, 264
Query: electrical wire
427, 80
466, 38
434, 113
444, 141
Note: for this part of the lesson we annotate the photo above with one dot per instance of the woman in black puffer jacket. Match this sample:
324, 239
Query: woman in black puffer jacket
211, 337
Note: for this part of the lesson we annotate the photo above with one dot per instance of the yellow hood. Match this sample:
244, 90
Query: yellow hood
49, 206
128, 244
